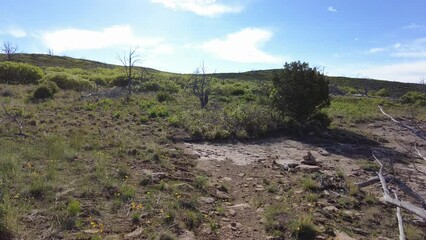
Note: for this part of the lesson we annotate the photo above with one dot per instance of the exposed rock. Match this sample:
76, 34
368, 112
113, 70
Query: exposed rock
136, 233
187, 235
207, 200
342, 236
323, 152
309, 159
112, 237
241, 174
91, 231
285, 164
240, 206
308, 168
221, 195
232, 212
330, 209
228, 179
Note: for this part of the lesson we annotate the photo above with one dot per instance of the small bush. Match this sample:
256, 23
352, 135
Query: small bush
19, 73
414, 97
163, 96
42, 92
69, 82
383, 93
45, 90
310, 184
200, 182
74, 208
119, 81
304, 228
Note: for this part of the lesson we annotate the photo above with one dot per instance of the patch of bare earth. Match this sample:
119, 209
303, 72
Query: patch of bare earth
247, 178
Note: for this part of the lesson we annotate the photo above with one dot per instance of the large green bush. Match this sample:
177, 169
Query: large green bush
46, 89
69, 82
299, 92
414, 97
19, 73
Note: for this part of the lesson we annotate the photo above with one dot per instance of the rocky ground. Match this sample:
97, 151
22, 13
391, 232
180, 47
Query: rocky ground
248, 178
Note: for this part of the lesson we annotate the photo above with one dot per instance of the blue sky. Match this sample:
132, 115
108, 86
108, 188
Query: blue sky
382, 39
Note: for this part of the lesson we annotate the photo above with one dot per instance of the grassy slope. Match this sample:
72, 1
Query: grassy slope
97, 152
396, 88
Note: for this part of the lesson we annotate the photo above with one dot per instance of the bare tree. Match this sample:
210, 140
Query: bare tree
16, 119
50, 52
9, 50
129, 60
201, 84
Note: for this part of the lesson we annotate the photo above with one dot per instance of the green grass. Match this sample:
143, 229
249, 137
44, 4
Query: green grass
84, 158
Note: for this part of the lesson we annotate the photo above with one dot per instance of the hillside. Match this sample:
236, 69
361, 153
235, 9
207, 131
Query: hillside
91, 162
397, 89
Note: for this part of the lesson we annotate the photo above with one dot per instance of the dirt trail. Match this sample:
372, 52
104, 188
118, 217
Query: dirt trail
244, 169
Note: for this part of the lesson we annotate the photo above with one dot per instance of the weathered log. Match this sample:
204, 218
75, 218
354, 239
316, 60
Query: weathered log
399, 203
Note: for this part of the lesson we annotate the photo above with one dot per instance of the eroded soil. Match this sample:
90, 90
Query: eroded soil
247, 180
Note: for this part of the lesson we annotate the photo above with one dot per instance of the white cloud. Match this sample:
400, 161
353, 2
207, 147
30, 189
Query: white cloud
72, 39
412, 49
332, 9
207, 8
403, 72
14, 32
242, 46
397, 45
414, 26
376, 50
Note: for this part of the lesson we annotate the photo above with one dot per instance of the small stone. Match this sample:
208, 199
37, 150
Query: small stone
241, 174
330, 209
232, 212
308, 168
342, 236
207, 200
112, 237
137, 232
91, 231
221, 195
187, 235
228, 179
226, 219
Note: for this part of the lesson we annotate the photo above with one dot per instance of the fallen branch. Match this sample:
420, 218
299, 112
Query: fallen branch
414, 130
399, 203
419, 153
406, 189
400, 223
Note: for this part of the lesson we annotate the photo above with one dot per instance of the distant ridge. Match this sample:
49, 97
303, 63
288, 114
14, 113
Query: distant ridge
396, 88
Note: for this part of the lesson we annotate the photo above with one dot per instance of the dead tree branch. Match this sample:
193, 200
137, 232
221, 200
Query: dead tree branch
400, 223
414, 130
402, 186
399, 203
419, 153
14, 118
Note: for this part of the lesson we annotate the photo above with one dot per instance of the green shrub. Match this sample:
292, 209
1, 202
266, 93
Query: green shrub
42, 92
19, 73
299, 91
119, 81
304, 228
349, 90
163, 96
414, 97
46, 89
150, 86
74, 207
383, 93
69, 82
